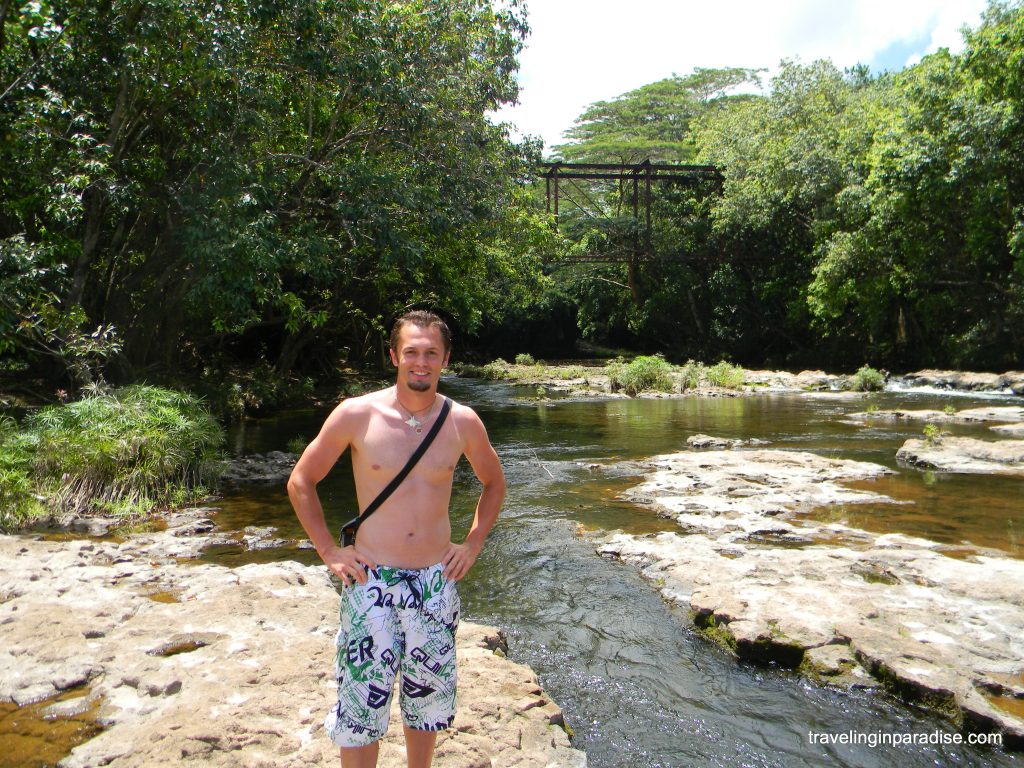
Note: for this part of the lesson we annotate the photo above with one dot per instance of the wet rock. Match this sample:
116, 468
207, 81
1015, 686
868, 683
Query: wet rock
846, 607
707, 441
1003, 413
966, 416
965, 454
967, 381
236, 672
922, 414
784, 381
93, 526
272, 467
1013, 430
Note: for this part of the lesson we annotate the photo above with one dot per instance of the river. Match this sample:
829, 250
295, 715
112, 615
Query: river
638, 686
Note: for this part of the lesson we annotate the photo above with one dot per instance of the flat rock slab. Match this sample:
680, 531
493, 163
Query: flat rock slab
965, 454
1014, 430
1009, 413
200, 664
845, 606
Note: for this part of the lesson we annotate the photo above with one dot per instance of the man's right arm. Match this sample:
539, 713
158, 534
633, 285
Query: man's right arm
312, 467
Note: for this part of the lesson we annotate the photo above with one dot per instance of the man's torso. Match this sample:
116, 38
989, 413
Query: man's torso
411, 529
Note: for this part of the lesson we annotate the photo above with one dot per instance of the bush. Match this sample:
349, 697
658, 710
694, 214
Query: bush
725, 375
690, 375
933, 434
524, 358
867, 379
125, 451
644, 373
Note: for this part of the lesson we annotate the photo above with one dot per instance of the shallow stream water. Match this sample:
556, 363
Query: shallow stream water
638, 686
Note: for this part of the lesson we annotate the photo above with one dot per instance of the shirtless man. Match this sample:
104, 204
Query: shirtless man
400, 606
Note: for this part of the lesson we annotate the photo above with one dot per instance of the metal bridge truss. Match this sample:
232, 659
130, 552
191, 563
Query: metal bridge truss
635, 182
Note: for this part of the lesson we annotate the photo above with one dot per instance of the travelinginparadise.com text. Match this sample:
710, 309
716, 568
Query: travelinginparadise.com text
896, 739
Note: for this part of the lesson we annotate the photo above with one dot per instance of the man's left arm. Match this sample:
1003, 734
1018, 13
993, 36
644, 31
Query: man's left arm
460, 557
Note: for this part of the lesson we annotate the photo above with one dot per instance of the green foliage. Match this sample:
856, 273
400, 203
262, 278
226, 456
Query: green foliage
933, 434
653, 121
949, 410
125, 451
296, 445
690, 375
525, 359
265, 181
880, 216
234, 392
726, 375
642, 374
867, 379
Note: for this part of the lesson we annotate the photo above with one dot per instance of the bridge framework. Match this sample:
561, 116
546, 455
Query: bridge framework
645, 173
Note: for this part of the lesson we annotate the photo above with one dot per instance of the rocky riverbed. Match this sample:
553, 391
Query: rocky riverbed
847, 607
184, 662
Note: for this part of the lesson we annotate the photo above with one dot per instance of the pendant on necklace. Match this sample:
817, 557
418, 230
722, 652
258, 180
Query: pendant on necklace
415, 423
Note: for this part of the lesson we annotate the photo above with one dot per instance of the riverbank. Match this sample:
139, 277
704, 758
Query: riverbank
845, 606
181, 660
592, 379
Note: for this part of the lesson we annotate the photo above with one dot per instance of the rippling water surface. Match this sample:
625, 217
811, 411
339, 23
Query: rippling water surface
638, 687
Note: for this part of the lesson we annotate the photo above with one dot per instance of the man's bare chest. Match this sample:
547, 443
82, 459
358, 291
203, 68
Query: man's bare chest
383, 450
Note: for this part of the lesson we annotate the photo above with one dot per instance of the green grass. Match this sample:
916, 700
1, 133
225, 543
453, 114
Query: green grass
123, 452
644, 373
725, 375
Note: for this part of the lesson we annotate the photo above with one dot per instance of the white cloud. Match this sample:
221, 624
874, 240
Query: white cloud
582, 51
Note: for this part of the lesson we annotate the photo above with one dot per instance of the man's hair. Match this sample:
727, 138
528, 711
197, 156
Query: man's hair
423, 319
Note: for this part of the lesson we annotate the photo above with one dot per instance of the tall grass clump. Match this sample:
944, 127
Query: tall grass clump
867, 379
725, 375
124, 451
690, 375
525, 358
18, 500
642, 374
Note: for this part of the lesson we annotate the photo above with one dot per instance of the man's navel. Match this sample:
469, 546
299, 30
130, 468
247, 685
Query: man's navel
376, 466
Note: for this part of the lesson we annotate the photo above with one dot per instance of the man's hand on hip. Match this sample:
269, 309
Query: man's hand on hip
347, 564
457, 560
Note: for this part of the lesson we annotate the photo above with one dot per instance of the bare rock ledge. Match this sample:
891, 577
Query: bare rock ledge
845, 606
965, 454
198, 664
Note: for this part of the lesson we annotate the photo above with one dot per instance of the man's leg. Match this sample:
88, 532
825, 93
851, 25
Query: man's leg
429, 671
419, 747
360, 757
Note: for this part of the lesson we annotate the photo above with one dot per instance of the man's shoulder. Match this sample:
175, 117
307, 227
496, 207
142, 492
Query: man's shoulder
460, 411
360, 406
366, 400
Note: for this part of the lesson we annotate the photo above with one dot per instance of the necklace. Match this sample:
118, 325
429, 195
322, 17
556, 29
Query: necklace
415, 423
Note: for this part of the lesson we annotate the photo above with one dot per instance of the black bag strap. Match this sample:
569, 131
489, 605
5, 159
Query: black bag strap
413, 460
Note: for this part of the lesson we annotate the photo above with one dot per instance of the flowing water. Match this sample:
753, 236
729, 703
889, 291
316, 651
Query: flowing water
638, 687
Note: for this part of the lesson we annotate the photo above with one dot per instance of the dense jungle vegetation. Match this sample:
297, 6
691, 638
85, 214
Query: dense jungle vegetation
237, 197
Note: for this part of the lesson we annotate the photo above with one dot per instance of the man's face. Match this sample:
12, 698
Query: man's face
419, 357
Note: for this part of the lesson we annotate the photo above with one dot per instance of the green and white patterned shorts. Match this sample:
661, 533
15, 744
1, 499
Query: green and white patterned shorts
400, 620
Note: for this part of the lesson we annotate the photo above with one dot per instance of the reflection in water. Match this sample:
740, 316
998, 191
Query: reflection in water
638, 686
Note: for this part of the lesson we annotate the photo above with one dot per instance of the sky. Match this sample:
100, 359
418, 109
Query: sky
583, 51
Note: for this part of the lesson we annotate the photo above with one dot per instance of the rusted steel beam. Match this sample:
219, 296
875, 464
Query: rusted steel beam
631, 167
691, 178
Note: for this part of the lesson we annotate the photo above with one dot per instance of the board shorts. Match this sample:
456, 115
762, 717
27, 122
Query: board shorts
402, 621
